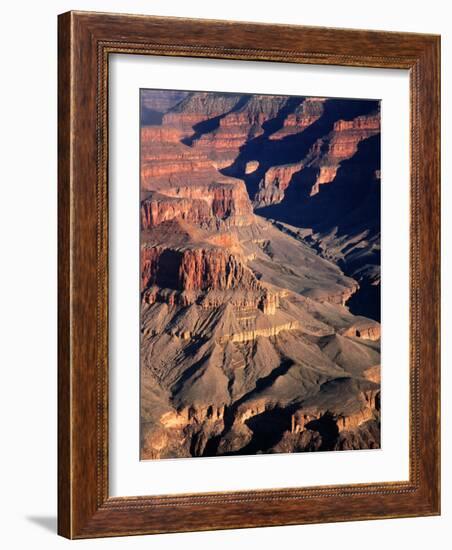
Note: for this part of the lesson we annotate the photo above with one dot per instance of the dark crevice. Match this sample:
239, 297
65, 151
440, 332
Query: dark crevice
366, 301
326, 427
268, 428
211, 448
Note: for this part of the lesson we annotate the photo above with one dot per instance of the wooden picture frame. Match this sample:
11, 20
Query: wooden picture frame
85, 42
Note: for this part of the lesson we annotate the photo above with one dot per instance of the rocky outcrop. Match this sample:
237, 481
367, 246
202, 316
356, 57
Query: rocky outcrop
194, 269
340, 297
251, 335
365, 407
257, 110
251, 166
341, 144
204, 205
195, 414
274, 183
157, 208
373, 374
305, 114
363, 328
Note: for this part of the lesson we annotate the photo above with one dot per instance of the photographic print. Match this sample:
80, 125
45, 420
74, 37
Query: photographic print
260, 274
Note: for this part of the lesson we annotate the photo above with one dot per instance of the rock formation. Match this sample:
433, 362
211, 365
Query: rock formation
248, 343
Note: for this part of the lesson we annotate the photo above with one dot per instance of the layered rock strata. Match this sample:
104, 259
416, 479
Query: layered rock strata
247, 341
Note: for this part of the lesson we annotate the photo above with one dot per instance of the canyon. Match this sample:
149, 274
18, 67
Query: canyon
260, 274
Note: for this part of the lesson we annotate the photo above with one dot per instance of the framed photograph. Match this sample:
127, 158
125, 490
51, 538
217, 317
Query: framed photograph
248, 275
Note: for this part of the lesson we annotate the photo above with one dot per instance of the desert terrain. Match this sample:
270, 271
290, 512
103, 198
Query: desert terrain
260, 274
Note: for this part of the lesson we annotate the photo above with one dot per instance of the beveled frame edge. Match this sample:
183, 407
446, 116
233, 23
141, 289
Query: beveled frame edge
85, 42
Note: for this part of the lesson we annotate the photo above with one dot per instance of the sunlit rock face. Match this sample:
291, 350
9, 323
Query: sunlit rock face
260, 242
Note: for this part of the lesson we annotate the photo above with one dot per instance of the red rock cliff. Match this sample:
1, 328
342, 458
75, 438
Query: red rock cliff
341, 144
194, 269
205, 205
